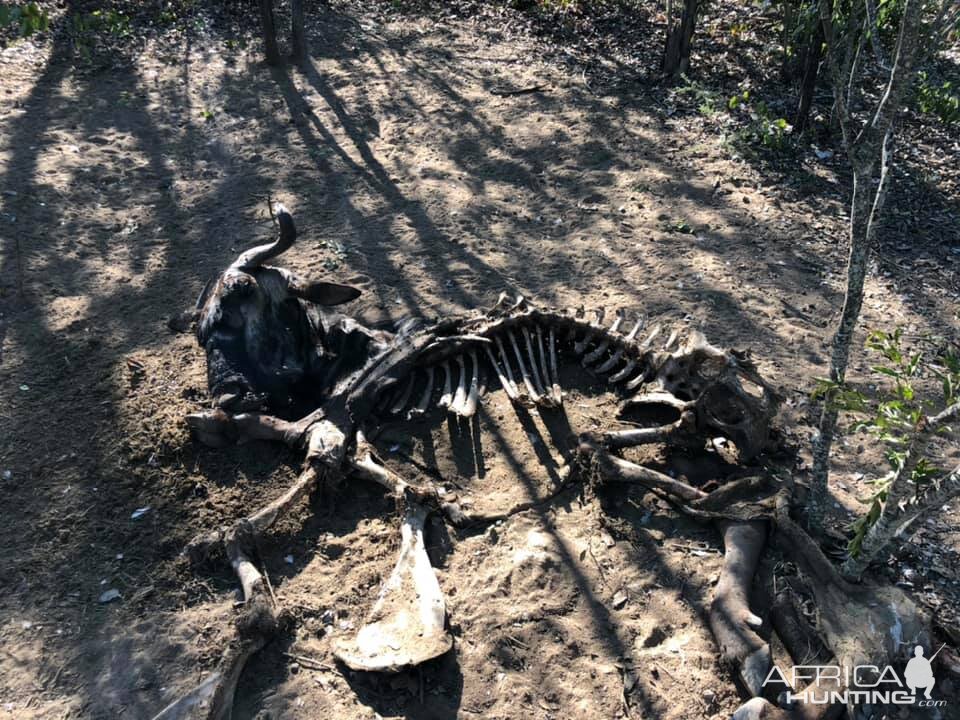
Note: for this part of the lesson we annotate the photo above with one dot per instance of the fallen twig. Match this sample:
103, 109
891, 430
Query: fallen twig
507, 92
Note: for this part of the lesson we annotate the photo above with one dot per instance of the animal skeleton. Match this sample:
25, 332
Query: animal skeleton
272, 352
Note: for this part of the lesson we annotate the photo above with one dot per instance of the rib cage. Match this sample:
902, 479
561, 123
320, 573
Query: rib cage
520, 348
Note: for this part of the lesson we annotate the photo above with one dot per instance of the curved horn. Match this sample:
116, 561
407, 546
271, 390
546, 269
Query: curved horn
256, 256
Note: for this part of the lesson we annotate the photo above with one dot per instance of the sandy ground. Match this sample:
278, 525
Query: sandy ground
126, 189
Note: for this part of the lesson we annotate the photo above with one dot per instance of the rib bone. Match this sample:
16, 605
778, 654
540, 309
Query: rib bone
544, 365
577, 315
636, 382
404, 397
555, 380
423, 404
624, 373
581, 347
671, 340
469, 407
508, 387
531, 390
535, 370
638, 326
509, 370
610, 363
592, 357
447, 396
460, 396
651, 337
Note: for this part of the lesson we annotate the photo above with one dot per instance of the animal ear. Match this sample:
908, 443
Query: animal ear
325, 293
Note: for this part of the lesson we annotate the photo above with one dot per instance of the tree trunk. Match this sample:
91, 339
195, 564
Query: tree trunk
270, 48
811, 67
860, 237
862, 148
298, 37
676, 54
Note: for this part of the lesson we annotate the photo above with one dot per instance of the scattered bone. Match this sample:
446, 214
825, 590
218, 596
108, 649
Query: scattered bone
460, 396
447, 395
423, 405
531, 390
404, 397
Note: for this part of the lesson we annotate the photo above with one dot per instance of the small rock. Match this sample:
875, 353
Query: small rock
619, 599
139, 513
108, 596
294, 668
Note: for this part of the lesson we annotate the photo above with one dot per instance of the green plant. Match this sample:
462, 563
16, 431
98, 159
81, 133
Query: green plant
764, 127
938, 100
897, 413
708, 101
28, 17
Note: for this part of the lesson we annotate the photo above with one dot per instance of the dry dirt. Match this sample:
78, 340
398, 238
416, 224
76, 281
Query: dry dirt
125, 189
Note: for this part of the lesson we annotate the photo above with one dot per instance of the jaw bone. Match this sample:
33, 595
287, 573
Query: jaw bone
406, 625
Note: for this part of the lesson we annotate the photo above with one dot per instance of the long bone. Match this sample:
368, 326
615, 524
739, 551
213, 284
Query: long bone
598, 352
257, 622
531, 390
424, 403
